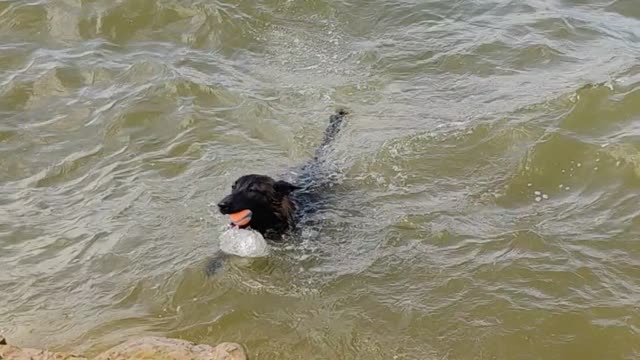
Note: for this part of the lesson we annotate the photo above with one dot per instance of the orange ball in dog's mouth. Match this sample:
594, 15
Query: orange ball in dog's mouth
241, 218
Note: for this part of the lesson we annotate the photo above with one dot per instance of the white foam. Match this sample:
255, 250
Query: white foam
243, 242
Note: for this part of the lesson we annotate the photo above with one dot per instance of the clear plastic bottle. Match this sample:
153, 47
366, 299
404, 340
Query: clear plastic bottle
243, 242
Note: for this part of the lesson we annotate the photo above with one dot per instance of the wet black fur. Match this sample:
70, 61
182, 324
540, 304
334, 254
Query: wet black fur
277, 204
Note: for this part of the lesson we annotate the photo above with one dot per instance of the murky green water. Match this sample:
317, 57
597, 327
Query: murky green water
488, 202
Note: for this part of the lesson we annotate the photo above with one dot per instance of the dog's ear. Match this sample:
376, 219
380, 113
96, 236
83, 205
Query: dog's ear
285, 188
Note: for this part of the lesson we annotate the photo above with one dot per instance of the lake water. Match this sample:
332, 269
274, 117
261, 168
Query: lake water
488, 177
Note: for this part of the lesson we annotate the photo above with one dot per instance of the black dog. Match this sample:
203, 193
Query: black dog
276, 206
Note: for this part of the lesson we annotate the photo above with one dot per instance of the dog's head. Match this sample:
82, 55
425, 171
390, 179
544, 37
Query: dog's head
267, 199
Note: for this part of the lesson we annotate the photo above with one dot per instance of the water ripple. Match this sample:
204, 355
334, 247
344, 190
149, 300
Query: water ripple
487, 179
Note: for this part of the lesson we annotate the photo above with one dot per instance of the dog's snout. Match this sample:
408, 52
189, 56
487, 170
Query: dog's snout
224, 205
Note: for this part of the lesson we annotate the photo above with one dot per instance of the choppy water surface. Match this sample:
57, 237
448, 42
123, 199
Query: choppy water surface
489, 175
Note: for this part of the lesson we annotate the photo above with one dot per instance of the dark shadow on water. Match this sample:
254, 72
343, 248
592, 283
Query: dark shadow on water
215, 265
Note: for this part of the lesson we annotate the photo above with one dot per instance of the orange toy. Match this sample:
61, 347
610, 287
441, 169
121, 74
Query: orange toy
241, 218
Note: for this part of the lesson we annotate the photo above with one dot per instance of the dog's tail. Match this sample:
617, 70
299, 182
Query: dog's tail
314, 174
335, 123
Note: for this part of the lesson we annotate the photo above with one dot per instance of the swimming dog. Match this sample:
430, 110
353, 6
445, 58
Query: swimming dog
273, 207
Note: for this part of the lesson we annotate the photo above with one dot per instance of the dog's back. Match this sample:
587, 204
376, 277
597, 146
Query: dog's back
315, 177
